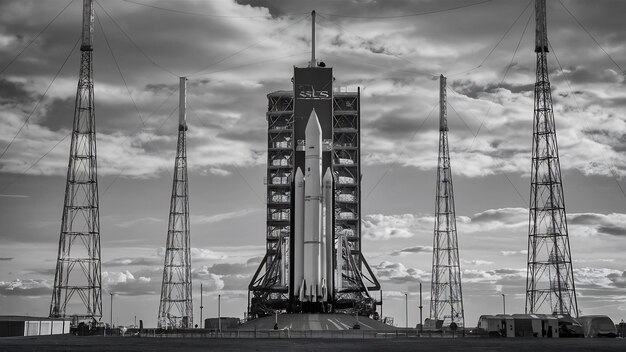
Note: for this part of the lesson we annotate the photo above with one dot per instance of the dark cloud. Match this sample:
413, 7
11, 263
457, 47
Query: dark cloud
254, 261
6, 259
59, 114
509, 271
612, 230
230, 269
505, 215
416, 249
585, 219
397, 123
618, 280
162, 88
13, 93
474, 90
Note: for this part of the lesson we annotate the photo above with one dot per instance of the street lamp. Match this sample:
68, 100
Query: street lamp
503, 303
111, 293
201, 308
420, 307
219, 313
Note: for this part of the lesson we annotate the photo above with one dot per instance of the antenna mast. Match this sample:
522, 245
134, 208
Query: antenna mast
77, 279
313, 62
446, 301
176, 306
549, 275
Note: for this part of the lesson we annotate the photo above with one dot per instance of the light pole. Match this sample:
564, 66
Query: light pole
421, 321
406, 310
111, 293
503, 303
201, 308
219, 313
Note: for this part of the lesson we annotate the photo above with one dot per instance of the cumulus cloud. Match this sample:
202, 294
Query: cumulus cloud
509, 253
209, 280
384, 227
398, 273
26, 287
125, 283
592, 224
503, 276
493, 219
588, 277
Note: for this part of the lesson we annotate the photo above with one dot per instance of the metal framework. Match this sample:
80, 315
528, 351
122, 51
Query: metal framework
77, 280
352, 275
446, 301
550, 277
176, 306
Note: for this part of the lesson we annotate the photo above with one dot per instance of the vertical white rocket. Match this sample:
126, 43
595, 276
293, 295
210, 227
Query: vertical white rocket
313, 269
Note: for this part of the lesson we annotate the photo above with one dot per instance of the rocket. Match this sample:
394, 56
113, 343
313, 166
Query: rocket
313, 215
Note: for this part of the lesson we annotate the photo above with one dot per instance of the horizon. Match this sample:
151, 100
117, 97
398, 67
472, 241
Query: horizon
235, 52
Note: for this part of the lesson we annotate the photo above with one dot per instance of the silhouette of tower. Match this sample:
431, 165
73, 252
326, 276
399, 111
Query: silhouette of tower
176, 308
446, 301
549, 276
77, 280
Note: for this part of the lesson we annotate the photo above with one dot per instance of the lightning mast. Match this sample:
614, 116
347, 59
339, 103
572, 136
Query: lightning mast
446, 301
549, 276
176, 307
77, 280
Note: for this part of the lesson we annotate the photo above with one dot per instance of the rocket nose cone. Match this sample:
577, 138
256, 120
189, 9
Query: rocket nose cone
328, 175
299, 174
313, 125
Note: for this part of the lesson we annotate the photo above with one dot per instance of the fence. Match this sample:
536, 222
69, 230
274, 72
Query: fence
294, 334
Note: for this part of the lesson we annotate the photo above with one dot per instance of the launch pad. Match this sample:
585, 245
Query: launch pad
313, 261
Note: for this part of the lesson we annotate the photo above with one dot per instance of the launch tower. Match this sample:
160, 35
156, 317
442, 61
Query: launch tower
549, 276
313, 261
446, 302
77, 280
176, 306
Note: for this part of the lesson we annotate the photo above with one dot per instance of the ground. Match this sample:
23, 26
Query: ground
121, 344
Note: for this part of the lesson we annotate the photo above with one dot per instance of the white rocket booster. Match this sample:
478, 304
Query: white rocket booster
313, 220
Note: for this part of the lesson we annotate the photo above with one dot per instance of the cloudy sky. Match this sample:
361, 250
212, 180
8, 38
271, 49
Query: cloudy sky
234, 53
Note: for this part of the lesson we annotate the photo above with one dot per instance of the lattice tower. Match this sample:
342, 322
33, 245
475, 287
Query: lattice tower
550, 277
77, 280
176, 306
446, 295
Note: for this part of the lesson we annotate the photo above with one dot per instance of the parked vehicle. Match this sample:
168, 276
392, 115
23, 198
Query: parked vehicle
598, 326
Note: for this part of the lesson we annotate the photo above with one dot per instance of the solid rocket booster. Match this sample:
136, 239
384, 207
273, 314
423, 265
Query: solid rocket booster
313, 220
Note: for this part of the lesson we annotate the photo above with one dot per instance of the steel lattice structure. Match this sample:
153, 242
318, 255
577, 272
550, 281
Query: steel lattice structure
446, 301
77, 280
550, 277
176, 306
